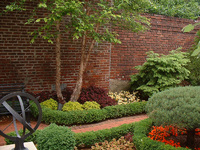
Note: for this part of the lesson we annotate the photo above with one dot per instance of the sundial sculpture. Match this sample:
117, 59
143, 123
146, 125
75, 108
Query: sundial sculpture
20, 96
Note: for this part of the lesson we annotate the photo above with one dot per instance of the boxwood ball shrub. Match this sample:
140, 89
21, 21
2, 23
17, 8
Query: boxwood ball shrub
55, 137
50, 103
91, 105
70, 106
179, 107
160, 72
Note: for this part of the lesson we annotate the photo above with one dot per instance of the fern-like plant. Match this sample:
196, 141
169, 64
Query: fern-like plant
160, 72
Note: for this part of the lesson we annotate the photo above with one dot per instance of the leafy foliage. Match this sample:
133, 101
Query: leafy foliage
50, 103
160, 72
124, 97
55, 137
91, 105
119, 144
175, 8
194, 66
44, 95
96, 94
176, 106
88, 116
70, 106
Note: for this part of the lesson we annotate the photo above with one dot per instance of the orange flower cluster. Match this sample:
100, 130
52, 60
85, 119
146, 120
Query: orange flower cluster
161, 133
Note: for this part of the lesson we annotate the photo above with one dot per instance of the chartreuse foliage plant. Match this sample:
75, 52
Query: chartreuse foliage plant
55, 137
160, 72
70, 106
178, 107
91, 105
50, 103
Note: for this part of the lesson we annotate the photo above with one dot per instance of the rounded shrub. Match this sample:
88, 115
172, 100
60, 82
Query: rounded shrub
70, 106
91, 105
179, 107
55, 137
50, 103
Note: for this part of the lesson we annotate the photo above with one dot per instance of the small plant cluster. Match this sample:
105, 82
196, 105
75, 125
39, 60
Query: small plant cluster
70, 106
162, 134
124, 97
96, 94
159, 73
119, 144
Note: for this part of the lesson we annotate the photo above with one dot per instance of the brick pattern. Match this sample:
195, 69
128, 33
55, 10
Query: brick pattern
34, 64
164, 35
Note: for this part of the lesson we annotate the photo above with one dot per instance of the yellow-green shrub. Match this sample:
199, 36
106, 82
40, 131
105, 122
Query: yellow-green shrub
124, 97
70, 106
91, 105
50, 103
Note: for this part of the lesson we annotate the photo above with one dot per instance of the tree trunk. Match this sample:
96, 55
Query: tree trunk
190, 138
84, 61
58, 66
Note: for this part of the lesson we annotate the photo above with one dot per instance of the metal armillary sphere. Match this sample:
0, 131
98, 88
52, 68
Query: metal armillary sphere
7, 103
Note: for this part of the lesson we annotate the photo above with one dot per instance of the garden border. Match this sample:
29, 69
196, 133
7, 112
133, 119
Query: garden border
89, 116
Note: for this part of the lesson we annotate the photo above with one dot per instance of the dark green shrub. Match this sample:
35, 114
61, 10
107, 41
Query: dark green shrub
55, 137
70, 106
194, 66
50, 103
160, 72
178, 107
91, 105
88, 116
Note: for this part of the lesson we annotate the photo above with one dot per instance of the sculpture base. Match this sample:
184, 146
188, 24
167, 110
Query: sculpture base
28, 145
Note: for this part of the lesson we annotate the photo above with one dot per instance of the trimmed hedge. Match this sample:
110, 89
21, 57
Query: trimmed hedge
88, 116
142, 142
87, 138
140, 131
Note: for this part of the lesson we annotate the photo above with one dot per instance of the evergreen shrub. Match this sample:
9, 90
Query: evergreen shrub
177, 107
160, 72
88, 116
55, 137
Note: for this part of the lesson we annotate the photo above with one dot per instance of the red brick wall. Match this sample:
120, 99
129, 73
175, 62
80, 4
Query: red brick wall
164, 35
34, 64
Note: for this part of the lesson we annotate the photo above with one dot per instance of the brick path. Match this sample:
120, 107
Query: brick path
80, 128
